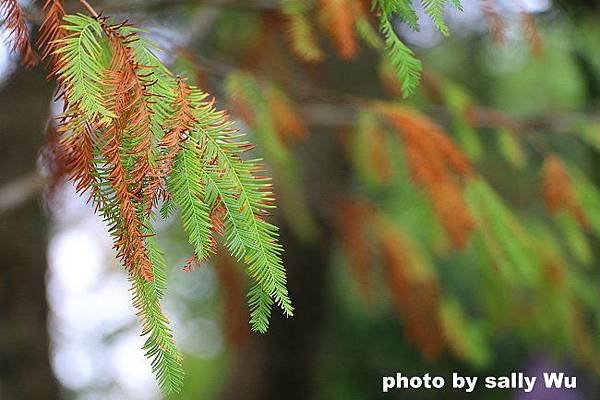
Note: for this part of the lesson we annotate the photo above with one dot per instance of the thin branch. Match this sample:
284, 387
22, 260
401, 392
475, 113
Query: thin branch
162, 4
89, 8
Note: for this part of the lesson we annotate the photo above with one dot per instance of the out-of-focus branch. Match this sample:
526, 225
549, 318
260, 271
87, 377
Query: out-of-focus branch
206, 6
316, 114
156, 5
334, 108
21, 190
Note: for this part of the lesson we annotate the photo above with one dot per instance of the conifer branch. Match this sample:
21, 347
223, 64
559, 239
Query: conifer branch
408, 68
51, 30
15, 23
132, 133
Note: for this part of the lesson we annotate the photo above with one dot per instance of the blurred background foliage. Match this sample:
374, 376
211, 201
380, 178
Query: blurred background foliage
406, 252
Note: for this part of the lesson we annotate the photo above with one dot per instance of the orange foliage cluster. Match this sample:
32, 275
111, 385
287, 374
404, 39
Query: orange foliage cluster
129, 99
414, 289
15, 23
77, 154
352, 219
285, 118
136, 190
438, 166
130, 246
177, 125
416, 297
338, 17
558, 190
50, 30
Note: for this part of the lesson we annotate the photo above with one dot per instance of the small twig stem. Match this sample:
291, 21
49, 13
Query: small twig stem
89, 8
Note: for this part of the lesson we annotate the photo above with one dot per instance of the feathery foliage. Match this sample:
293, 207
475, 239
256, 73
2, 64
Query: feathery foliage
274, 121
134, 134
245, 195
15, 22
435, 9
407, 66
300, 29
51, 30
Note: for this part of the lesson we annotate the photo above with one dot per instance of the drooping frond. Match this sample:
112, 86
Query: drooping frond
273, 119
300, 30
159, 345
435, 10
51, 30
558, 191
406, 65
246, 197
414, 289
133, 134
438, 166
402, 8
188, 195
79, 66
338, 17
352, 221
14, 21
